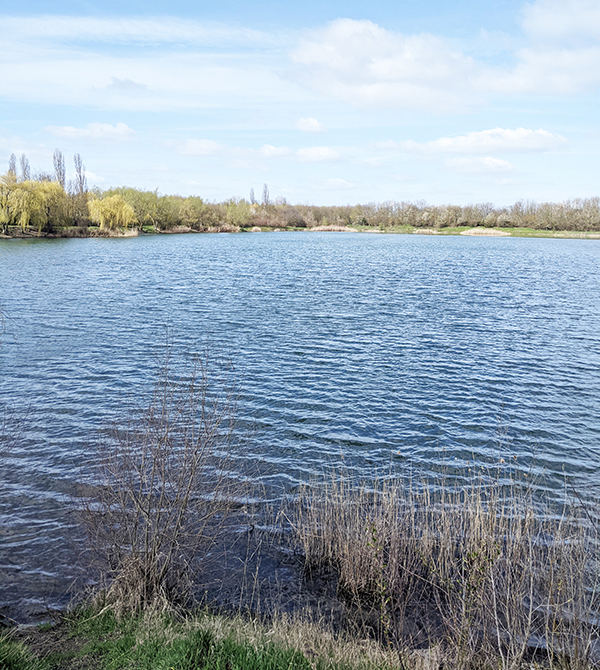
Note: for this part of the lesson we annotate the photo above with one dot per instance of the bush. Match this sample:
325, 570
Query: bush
165, 491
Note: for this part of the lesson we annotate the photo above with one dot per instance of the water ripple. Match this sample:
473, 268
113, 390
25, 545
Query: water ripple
411, 353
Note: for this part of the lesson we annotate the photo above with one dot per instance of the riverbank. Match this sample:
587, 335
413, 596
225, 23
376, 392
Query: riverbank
478, 231
93, 640
393, 577
485, 232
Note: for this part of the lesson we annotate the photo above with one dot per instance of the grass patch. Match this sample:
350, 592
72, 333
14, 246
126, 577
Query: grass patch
159, 641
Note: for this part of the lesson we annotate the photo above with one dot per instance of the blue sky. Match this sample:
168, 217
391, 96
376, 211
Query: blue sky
326, 102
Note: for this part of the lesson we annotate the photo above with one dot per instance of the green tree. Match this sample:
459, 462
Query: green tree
52, 206
40, 204
239, 212
144, 203
6, 213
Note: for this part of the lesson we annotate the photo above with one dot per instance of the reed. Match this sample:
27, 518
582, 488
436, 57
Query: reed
484, 573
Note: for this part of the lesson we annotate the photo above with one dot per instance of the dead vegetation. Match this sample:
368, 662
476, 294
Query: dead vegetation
165, 490
483, 575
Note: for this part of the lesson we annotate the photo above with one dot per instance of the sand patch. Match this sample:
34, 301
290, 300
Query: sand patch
488, 232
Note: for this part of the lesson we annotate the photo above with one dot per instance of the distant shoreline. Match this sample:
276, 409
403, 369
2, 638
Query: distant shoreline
478, 231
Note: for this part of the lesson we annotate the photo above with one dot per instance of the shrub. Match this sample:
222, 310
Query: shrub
165, 491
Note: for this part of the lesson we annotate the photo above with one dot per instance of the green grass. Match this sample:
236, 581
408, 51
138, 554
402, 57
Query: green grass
90, 640
14, 655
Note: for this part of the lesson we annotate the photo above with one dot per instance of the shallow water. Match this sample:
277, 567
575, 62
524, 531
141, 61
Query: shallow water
409, 353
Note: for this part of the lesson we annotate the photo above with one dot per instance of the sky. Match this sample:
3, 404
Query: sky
327, 102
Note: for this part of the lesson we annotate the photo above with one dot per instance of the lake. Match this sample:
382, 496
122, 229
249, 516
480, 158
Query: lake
404, 353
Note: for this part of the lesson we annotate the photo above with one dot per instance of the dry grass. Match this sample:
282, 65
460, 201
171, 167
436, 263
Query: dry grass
482, 572
165, 491
333, 229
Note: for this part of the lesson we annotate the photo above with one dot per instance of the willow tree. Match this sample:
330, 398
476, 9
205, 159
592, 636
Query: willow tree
6, 213
111, 213
43, 205
18, 202
52, 206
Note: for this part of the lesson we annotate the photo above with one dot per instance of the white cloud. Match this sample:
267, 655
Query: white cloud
126, 85
547, 71
562, 20
136, 31
341, 184
170, 64
317, 154
562, 52
309, 125
486, 164
141, 64
241, 156
200, 148
96, 131
366, 65
385, 145
270, 151
496, 140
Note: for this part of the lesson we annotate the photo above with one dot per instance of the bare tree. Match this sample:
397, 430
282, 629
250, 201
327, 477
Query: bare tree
265, 197
59, 167
252, 198
80, 178
12, 165
25, 168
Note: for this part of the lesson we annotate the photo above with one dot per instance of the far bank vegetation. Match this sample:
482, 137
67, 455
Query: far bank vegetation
46, 204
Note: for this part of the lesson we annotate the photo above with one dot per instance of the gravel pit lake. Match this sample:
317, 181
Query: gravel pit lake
387, 353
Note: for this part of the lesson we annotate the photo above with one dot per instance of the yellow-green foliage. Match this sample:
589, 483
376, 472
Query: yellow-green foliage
43, 204
145, 204
112, 212
5, 210
239, 212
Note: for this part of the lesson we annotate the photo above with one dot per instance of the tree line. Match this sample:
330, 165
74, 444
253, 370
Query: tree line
47, 204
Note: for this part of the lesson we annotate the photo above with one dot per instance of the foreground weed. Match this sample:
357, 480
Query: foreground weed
200, 651
15, 656
159, 641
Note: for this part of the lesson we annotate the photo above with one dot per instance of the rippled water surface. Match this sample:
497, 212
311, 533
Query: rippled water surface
404, 352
